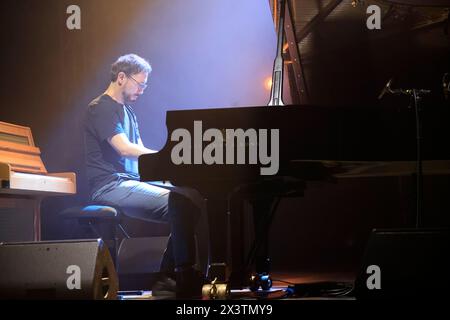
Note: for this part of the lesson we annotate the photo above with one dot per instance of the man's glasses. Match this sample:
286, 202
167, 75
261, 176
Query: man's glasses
141, 85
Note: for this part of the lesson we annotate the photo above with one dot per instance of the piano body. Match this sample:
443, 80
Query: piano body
24, 183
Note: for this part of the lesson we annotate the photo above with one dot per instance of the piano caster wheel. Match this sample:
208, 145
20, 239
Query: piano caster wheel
266, 282
260, 280
216, 291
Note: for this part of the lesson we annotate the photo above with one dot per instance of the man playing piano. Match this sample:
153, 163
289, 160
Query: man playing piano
113, 145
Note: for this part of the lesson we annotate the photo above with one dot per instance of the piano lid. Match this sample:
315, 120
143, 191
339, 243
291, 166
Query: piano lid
338, 60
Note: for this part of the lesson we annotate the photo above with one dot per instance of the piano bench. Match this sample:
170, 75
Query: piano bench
104, 221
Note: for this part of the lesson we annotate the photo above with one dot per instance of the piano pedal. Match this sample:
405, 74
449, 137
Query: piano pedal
219, 288
216, 291
260, 280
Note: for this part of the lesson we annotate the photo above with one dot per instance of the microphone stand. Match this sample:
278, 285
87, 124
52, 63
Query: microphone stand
276, 92
419, 170
416, 96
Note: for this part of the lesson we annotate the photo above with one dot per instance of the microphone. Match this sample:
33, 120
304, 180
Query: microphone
386, 89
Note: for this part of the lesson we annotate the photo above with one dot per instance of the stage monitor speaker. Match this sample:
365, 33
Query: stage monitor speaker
70, 269
405, 263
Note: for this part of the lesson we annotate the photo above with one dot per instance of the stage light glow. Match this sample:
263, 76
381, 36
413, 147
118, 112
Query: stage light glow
268, 83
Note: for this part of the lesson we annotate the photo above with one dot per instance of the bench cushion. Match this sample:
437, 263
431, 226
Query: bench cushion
91, 212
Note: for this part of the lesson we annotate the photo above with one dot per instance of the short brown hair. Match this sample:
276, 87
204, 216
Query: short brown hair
129, 64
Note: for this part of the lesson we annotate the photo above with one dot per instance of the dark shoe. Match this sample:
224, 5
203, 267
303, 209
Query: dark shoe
189, 283
164, 287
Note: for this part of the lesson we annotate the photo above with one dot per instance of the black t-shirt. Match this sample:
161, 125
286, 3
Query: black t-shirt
104, 119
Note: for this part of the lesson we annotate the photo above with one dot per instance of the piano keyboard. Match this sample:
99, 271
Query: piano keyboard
40, 184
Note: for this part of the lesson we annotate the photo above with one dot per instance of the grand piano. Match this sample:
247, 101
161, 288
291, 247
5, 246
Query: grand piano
315, 143
24, 183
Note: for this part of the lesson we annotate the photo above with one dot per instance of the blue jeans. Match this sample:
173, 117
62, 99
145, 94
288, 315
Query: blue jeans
155, 203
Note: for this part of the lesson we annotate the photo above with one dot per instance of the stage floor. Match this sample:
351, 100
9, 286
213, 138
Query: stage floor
287, 285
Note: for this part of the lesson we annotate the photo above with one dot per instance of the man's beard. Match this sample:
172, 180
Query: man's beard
128, 98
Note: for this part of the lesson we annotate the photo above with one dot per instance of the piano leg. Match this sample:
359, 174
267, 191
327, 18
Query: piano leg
37, 219
239, 224
263, 211
218, 271
218, 220
262, 220
227, 226
243, 262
